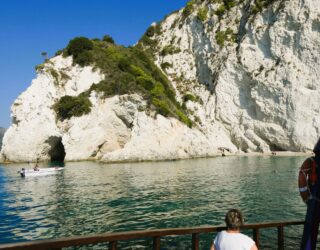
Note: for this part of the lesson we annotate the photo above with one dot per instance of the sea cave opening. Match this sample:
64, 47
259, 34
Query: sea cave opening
274, 147
57, 152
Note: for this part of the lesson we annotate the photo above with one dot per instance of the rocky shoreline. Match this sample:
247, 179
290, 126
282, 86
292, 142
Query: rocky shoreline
222, 154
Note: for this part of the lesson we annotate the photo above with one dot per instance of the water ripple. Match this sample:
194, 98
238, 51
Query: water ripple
91, 198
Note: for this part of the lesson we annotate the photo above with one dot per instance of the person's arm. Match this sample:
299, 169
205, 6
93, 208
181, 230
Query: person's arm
212, 246
254, 247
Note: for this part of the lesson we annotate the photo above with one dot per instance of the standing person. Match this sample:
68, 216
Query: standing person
232, 239
36, 167
309, 188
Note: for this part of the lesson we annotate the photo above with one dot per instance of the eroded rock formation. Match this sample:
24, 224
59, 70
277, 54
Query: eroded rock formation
247, 78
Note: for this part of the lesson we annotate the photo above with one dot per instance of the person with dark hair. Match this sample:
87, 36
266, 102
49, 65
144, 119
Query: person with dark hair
309, 188
232, 239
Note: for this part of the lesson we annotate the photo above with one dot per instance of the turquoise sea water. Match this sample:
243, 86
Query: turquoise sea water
88, 197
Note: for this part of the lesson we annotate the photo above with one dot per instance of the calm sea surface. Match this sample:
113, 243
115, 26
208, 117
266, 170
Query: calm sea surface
89, 197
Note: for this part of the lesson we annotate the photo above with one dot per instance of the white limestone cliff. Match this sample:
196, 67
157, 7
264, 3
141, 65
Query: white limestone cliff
265, 90
34, 130
258, 94
2, 131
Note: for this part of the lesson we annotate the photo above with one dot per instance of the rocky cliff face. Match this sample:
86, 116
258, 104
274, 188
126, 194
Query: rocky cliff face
254, 68
2, 131
246, 74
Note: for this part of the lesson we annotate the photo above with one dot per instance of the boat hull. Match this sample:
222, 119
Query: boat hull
39, 172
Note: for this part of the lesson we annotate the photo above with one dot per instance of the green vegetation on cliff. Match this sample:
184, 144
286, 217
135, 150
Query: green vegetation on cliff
127, 70
226, 5
202, 14
259, 5
223, 36
80, 49
188, 9
69, 106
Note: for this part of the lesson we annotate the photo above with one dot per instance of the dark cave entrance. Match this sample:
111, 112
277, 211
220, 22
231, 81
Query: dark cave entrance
274, 147
56, 152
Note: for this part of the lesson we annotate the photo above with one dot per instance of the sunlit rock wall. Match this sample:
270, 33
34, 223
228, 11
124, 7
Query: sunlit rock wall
262, 88
256, 90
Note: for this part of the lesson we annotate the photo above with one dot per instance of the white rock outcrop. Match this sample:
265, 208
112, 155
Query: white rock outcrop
257, 94
34, 130
2, 131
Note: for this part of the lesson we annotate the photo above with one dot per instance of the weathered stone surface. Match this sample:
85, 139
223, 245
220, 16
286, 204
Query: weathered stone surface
34, 131
258, 94
265, 89
2, 131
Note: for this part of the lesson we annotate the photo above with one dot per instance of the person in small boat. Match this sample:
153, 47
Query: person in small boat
36, 167
232, 239
22, 172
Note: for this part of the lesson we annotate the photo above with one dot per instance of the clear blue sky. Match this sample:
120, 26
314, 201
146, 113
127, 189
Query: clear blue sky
28, 27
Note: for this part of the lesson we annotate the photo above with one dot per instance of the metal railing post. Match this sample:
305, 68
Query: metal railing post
113, 245
195, 241
280, 238
256, 236
156, 243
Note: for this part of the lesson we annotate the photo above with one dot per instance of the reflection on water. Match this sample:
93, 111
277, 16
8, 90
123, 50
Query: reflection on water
88, 198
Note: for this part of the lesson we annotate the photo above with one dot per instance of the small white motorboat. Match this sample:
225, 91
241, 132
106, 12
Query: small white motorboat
39, 171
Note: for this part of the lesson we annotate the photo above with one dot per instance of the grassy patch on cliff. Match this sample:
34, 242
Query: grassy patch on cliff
127, 70
223, 36
259, 5
202, 14
188, 9
256, 7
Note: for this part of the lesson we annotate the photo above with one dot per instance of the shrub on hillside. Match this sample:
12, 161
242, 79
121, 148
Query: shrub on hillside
39, 67
220, 38
259, 5
145, 81
153, 29
184, 118
229, 4
220, 11
124, 64
150, 31
188, 9
108, 39
59, 52
79, 45
158, 91
55, 75
79, 48
69, 106
223, 36
162, 106
83, 59
123, 84
137, 71
148, 41
202, 14
189, 97
170, 50
165, 65
107, 88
